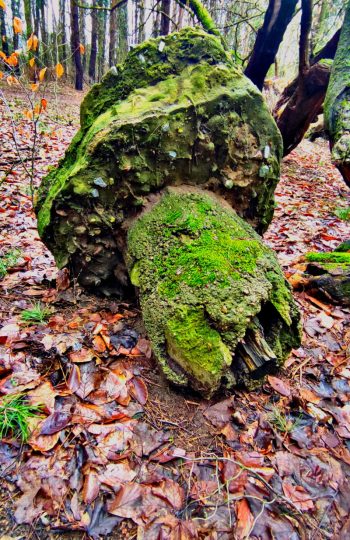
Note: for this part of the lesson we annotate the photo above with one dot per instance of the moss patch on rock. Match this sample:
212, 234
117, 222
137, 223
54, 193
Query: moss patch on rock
177, 112
203, 275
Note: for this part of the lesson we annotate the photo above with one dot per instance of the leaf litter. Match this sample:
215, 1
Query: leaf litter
118, 452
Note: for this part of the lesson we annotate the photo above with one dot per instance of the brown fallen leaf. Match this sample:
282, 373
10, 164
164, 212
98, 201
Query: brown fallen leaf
280, 386
299, 496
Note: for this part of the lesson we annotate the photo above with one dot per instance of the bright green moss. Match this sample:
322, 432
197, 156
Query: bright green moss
199, 266
332, 257
199, 350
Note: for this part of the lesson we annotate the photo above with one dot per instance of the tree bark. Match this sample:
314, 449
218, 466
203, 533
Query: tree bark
122, 32
102, 28
82, 27
277, 17
112, 38
63, 54
75, 42
305, 95
4, 42
303, 106
15, 13
337, 104
28, 16
165, 17
93, 52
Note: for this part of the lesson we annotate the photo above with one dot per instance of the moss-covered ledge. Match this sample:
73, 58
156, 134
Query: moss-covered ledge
205, 278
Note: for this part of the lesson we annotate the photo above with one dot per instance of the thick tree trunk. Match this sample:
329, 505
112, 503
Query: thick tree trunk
337, 104
214, 300
3, 36
277, 17
93, 51
75, 42
303, 107
302, 100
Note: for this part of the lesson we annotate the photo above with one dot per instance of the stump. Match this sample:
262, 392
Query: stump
173, 168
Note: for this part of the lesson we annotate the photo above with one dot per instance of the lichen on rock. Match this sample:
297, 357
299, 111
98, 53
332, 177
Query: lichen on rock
178, 111
204, 278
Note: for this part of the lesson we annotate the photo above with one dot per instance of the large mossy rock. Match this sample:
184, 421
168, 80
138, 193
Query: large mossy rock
176, 112
210, 291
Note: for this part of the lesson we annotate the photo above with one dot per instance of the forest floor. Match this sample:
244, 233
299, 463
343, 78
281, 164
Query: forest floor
115, 451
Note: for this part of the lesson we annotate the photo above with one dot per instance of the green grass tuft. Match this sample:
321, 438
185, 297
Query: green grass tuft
36, 313
14, 414
343, 213
8, 260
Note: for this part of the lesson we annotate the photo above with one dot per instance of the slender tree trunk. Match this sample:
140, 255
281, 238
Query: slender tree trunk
82, 26
93, 52
4, 42
63, 52
337, 104
122, 32
278, 15
75, 42
44, 34
28, 16
37, 17
112, 38
102, 29
15, 13
141, 28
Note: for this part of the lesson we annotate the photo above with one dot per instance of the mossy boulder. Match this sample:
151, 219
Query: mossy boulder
178, 111
205, 280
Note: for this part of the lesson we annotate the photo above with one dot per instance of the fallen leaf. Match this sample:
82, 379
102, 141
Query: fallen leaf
280, 386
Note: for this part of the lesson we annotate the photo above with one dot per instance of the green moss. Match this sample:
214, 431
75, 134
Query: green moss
332, 257
199, 351
199, 266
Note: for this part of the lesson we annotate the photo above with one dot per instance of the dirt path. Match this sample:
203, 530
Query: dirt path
115, 450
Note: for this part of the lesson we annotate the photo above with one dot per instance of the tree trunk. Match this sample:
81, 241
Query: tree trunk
165, 17
44, 34
112, 38
28, 17
122, 32
15, 13
63, 53
102, 28
304, 106
93, 51
4, 42
305, 96
141, 28
277, 17
214, 300
337, 104
75, 42
82, 27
